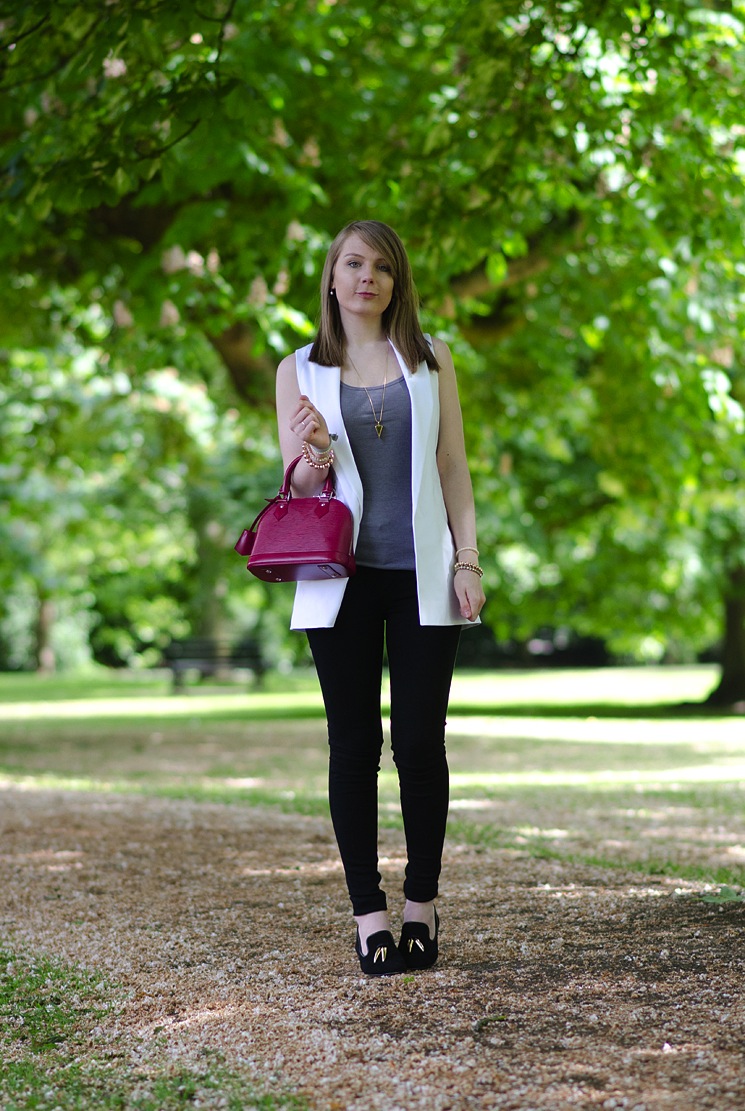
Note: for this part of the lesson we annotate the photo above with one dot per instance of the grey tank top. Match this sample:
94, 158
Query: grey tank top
386, 537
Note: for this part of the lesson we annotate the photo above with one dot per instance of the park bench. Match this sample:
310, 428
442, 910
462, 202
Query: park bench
213, 658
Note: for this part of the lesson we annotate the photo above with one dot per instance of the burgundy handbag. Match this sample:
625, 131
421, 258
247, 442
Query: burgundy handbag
300, 538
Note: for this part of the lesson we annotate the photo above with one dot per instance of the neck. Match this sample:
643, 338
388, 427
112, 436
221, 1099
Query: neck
362, 333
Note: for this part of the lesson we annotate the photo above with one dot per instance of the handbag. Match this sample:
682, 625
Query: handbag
294, 539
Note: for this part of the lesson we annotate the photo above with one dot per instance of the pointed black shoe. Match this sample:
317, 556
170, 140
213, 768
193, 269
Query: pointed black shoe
382, 957
417, 948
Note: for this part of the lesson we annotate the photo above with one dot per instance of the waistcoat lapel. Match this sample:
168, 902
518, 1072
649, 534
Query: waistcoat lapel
422, 388
322, 384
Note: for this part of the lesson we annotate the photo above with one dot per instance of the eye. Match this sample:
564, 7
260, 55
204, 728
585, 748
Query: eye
353, 262
384, 266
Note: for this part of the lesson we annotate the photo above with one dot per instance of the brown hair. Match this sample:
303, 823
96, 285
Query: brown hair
400, 319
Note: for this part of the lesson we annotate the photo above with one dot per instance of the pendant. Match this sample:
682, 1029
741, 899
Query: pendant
378, 428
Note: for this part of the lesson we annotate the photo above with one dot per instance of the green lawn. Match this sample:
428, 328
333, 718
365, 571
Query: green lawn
603, 765
619, 687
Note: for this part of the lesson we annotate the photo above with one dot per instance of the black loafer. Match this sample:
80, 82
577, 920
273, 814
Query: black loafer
417, 948
382, 957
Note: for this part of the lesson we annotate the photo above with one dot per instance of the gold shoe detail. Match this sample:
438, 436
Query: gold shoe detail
415, 941
380, 953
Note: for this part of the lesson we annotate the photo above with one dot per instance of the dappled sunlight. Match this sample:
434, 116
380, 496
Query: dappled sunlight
495, 691
199, 1017
569, 686
537, 831
561, 788
723, 772
676, 840
168, 706
302, 868
724, 731
462, 804
624, 892
40, 783
50, 860
204, 911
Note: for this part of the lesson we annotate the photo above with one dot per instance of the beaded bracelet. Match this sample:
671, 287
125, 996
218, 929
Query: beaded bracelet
459, 566
316, 453
318, 460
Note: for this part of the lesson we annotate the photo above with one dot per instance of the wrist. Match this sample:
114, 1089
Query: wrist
317, 459
465, 565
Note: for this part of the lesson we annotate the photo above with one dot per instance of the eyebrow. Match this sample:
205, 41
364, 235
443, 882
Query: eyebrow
355, 254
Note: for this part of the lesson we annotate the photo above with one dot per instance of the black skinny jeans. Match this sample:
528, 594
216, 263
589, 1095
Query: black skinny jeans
381, 607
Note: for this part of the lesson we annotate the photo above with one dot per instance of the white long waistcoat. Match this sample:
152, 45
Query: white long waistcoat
317, 603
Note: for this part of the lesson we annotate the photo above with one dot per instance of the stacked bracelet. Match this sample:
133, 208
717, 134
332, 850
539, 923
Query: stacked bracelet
318, 460
462, 566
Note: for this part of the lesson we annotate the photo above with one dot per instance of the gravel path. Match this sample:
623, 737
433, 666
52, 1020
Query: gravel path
558, 986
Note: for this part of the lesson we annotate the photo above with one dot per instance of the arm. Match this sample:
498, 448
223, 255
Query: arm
455, 480
299, 422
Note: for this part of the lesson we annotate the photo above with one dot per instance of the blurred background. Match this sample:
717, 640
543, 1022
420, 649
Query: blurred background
568, 178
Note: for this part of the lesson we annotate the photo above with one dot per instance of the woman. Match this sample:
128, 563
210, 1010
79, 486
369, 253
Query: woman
378, 400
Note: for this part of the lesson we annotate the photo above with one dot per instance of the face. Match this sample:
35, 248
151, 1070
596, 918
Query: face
362, 278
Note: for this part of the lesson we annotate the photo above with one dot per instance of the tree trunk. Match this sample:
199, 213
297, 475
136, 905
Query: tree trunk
45, 660
252, 375
208, 603
731, 686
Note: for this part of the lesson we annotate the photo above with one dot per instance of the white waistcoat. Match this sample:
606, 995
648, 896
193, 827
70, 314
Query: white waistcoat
317, 603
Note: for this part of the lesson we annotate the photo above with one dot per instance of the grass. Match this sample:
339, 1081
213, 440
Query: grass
603, 766
52, 1060
103, 684
622, 691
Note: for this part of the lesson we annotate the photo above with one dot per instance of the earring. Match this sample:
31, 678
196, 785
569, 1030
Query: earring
332, 293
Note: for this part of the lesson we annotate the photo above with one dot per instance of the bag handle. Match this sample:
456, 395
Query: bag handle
284, 490
282, 497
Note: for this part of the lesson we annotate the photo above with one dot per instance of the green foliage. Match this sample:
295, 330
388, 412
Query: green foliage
121, 495
724, 895
569, 178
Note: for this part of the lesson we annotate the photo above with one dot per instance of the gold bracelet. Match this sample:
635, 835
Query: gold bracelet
466, 549
318, 460
469, 567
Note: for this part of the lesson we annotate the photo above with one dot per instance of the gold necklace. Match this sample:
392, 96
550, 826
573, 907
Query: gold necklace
377, 417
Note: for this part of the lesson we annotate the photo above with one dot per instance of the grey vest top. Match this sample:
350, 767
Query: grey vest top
386, 536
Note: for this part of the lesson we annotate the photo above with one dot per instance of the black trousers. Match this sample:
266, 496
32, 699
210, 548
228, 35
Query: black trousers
380, 609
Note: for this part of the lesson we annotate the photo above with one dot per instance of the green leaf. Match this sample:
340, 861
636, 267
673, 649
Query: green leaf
724, 895
496, 269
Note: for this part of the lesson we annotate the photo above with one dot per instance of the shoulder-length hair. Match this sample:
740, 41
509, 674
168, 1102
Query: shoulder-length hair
400, 319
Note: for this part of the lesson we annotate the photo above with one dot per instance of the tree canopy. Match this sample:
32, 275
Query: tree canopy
568, 178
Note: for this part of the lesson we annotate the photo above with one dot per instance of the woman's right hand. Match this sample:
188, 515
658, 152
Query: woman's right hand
298, 420
309, 425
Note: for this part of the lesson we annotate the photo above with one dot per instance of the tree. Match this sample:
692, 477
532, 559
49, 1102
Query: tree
569, 179
118, 502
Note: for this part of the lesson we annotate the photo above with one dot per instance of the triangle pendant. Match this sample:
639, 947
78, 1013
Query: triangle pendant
379, 428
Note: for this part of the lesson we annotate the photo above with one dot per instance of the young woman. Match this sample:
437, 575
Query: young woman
378, 399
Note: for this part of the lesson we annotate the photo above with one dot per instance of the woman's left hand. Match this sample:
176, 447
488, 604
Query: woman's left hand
470, 593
